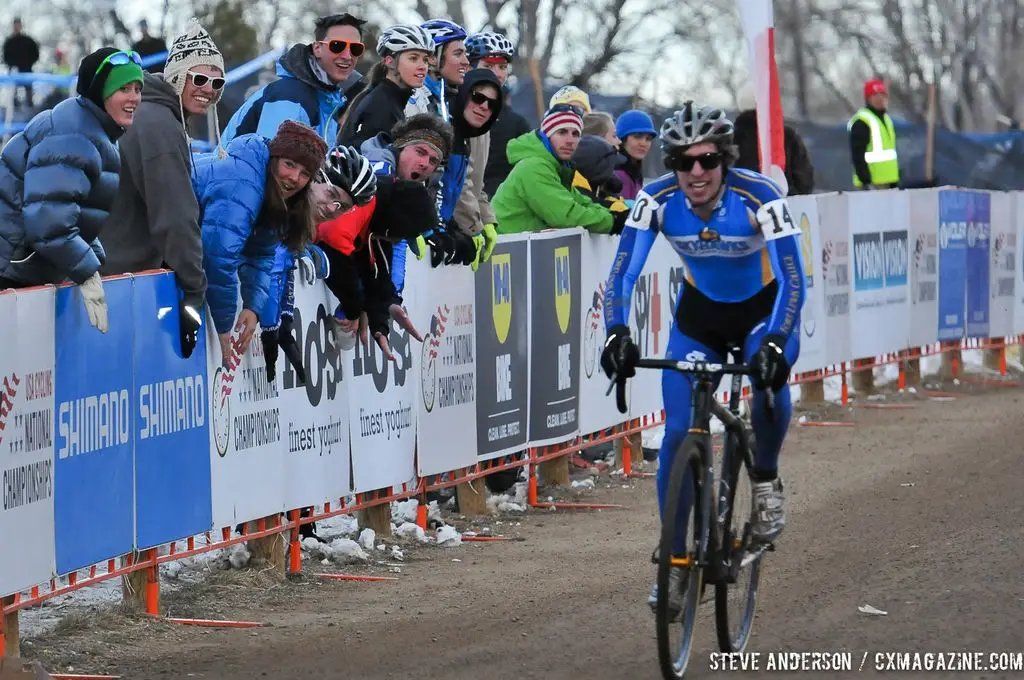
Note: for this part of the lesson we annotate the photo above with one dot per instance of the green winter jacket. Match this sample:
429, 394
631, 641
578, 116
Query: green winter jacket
538, 193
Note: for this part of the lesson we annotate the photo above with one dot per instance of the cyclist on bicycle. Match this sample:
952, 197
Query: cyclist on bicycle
744, 286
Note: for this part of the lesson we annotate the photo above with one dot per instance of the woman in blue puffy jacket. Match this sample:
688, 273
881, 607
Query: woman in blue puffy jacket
259, 197
58, 179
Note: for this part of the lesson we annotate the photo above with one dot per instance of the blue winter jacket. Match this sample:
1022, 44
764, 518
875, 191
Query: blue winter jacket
299, 95
58, 180
238, 247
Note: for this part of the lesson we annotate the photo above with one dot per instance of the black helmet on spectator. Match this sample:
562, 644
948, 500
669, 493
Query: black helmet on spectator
350, 171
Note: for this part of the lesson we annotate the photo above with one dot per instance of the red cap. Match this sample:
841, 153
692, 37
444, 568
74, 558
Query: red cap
874, 87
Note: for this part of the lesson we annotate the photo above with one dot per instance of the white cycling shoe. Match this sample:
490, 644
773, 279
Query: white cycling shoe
769, 512
677, 581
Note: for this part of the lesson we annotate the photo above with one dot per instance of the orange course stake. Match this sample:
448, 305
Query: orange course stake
212, 623
354, 577
75, 676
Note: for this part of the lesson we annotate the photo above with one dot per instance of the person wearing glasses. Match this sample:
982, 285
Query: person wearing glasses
744, 285
58, 179
538, 193
315, 83
155, 219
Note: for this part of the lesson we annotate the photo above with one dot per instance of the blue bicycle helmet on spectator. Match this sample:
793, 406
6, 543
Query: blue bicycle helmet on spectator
443, 32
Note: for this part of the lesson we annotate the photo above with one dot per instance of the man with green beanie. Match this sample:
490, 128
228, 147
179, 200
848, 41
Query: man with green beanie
155, 219
58, 179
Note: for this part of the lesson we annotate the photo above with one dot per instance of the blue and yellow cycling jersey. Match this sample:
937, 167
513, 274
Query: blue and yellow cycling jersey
750, 241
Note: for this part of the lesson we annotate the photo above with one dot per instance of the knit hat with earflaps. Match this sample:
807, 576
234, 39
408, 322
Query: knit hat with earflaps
194, 48
299, 143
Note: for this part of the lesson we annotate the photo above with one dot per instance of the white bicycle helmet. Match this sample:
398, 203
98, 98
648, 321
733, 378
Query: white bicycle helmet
350, 171
480, 45
694, 124
403, 38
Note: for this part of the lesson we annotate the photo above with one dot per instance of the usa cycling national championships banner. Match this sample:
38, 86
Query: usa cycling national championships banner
924, 266
1003, 244
812, 316
445, 313
555, 336
26, 439
314, 413
596, 410
247, 447
503, 348
94, 475
170, 400
833, 220
879, 315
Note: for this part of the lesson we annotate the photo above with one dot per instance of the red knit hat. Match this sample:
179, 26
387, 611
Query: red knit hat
559, 117
299, 143
873, 87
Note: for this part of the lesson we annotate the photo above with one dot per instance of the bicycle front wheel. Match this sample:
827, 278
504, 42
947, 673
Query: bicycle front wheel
685, 476
736, 595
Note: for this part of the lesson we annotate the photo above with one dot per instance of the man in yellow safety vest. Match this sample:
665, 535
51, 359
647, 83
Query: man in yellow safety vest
873, 141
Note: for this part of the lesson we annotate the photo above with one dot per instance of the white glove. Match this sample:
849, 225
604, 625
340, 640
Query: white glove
95, 302
307, 270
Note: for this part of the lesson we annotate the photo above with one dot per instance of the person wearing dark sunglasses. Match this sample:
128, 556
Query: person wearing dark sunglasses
155, 219
58, 179
315, 84
744, 287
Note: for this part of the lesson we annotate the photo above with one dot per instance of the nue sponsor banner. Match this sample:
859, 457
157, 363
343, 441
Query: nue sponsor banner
924, 266
315, 413
555, 335
93, 475
812, 316
879, 316
446, 315
834, 219
26, 439
247, 439
654, 300
171, 433
382, 408
597, 410
502, 289
1003, 264
953, 216
979, 227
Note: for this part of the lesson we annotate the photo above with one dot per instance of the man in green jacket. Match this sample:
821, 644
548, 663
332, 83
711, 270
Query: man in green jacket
538, 193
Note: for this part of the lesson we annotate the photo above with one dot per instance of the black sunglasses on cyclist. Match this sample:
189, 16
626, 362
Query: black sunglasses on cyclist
683, 163
338, 46
479, 98
201, 79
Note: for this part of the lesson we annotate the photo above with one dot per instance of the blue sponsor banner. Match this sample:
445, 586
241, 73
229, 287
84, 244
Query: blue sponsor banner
979, 229
93, 495
172, 440
953, 214
896, 256
868, 262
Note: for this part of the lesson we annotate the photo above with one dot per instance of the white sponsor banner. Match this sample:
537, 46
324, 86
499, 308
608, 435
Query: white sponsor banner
315, 413
924, 267
813, 327
652, 310
597, 410
880, 305
1002, 268
833, 218
26, 439
382, 406
247, 436
1018, 295
445, 314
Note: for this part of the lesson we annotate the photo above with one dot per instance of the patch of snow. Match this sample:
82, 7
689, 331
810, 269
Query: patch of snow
583, 484
408, 529
448, 537
367, 538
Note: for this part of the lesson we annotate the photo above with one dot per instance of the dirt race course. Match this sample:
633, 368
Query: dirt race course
568, 601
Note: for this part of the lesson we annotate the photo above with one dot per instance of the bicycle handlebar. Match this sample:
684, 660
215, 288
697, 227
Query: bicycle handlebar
696, 367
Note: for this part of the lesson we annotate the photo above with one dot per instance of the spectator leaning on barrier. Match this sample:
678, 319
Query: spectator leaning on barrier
58, 179
404, 51
256, 197
636, 130
315, 83
496, 52
538, 194
873, 141
154, 222
595, 160
447, 70
799, 171
21, 52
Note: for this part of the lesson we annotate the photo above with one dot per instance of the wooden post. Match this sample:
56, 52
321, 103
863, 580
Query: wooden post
472, 497
555, 472
269, 550
631, 444
912, 367
133, 585
950, 367
864, 378
812, 392
378, 518
10, 632
994, 354
538, 88
929, 149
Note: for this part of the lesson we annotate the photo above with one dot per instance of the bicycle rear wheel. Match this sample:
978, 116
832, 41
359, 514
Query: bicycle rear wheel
739, 590
686, 473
